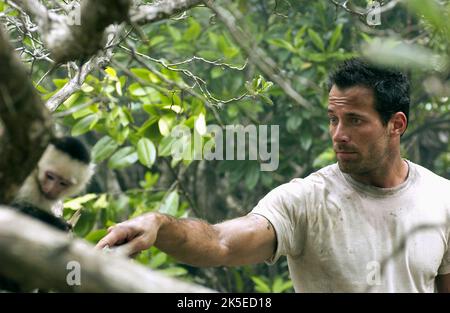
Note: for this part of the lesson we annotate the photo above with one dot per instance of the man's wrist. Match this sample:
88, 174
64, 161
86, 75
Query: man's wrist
160, 220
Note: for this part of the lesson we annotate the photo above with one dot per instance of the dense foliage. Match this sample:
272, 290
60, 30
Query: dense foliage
190, 71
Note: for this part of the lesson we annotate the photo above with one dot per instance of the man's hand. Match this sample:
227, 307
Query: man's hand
132, 236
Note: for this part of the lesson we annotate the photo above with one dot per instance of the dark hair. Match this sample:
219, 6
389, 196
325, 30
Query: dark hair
72, 147
390, 87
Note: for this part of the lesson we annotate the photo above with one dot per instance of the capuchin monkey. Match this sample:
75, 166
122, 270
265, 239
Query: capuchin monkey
64, 170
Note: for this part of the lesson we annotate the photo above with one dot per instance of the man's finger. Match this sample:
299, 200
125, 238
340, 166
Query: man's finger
133, 247
112, 238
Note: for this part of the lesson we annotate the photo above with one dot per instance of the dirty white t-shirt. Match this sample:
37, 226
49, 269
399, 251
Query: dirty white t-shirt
343, 236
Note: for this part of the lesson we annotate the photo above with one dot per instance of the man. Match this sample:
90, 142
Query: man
371, 222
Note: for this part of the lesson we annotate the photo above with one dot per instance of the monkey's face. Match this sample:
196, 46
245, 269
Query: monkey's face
52, 185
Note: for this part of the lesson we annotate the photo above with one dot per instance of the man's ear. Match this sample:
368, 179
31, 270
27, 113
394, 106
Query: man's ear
397, 124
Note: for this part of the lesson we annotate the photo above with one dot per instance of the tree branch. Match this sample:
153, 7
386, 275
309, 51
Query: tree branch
255, 54
93, 63
160, 10
65, 35
38, 256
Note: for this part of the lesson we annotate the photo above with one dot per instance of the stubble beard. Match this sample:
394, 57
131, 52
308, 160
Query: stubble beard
365, 164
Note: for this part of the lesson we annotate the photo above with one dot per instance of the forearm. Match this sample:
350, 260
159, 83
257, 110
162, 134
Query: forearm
190, 241
245, 240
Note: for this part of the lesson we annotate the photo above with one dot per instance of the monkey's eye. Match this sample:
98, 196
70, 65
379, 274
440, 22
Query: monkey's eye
50, 176
63, 184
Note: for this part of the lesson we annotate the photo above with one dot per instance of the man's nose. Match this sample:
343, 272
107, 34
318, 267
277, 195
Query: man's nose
340, 134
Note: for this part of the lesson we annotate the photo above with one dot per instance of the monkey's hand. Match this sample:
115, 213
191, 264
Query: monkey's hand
133, 236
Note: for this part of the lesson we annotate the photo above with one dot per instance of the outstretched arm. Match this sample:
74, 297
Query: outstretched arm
245, 240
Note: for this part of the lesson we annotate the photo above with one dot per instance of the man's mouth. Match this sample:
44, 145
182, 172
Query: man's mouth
345, 155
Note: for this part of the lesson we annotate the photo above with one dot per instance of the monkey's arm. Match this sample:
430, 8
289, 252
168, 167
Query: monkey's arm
245, 240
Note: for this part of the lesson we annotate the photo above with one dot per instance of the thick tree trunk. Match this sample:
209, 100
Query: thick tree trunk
27, 123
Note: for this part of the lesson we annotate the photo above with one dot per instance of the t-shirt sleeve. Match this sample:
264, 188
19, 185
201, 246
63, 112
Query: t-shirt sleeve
285, 208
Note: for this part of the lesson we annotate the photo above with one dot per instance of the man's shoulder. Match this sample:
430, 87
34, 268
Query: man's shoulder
320, 179
320, 176
303, 190
430, 178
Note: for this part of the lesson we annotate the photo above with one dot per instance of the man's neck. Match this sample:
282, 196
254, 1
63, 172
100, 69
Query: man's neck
388, 175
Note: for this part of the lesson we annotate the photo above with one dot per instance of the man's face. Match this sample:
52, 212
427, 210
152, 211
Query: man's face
360, 140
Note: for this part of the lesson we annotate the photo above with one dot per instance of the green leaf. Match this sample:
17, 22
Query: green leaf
146, 152
260, 285
170, 204
157, 40
293, 123
431, 10
335, 38
193, 31
279, 285
60, 82
298, 40
158, 260
111, 72
86, 88
84, 125
306, 141
165, 146
147, 124
72, 99
101, 202
77, 203
175, 33
200, 124
85, 223
278, 42
174, 271
216, 72
327, 157
142, 73
103, 149
315, 38
122, 158
266, 99
96, 235
118, 88
164, 124
84, 112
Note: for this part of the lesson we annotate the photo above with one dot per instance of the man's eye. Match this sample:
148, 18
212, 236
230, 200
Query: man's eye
356, 121
333, 120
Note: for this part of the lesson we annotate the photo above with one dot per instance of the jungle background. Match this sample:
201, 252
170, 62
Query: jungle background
195, 63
